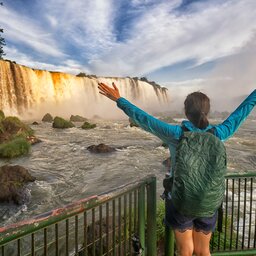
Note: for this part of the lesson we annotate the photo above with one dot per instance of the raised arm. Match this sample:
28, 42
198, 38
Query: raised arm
233, 122
164, 131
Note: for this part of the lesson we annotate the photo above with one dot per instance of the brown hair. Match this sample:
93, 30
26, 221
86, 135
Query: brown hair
197, 107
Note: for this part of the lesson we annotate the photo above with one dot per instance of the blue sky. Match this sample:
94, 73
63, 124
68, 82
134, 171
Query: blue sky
173, 42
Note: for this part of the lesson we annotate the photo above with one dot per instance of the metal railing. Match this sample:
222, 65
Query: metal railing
105, 224
236, 232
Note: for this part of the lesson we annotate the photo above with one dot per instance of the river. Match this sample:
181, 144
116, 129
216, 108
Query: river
66, 171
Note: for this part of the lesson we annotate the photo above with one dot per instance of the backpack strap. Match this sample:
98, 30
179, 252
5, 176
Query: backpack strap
211, 130
184, 128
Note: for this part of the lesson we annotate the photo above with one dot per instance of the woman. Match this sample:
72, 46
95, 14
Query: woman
192, 234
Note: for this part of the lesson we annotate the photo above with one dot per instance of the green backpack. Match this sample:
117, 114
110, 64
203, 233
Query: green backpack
198, 180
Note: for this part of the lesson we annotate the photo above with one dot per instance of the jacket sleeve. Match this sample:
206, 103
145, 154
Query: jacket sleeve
233, 122
164, 131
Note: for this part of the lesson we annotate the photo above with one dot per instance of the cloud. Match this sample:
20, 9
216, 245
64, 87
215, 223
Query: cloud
232, 79
24, 30
162, 37
69, 66
86, 25
156, 34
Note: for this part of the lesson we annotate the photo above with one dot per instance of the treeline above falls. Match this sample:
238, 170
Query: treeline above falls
30, 93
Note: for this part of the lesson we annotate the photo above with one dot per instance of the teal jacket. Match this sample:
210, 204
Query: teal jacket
170, 134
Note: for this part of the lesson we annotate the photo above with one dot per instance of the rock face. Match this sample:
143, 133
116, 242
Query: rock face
12, 180
101, 148
47, 118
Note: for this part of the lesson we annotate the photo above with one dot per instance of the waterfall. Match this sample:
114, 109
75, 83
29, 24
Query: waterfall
30, 93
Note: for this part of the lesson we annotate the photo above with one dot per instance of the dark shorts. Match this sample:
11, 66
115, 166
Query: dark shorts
179, 222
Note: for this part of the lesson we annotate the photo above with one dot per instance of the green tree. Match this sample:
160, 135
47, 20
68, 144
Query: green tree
2, 41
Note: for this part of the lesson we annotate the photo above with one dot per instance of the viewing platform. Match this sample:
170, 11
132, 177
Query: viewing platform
123, 221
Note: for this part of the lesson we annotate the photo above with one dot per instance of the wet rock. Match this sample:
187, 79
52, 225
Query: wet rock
33, 140
101, 148
87, 126
12, 181
47, 118
13, 126
61, 123
77, 118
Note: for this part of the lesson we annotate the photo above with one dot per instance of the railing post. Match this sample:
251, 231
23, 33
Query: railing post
169, 240
151, 218
141, 209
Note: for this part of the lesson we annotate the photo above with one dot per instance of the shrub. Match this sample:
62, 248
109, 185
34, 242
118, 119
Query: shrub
160, 214
59, 122
87, 125
16, 147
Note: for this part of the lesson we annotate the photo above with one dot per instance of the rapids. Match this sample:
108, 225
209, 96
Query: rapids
66, 171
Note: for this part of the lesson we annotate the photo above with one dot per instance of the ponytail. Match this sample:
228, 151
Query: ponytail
202, 121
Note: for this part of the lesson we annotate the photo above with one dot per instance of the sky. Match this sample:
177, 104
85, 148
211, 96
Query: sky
184, 45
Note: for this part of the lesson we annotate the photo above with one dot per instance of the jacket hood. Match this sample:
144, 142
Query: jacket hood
191, 127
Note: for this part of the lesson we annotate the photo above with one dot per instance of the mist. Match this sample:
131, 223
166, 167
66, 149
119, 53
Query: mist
231, 80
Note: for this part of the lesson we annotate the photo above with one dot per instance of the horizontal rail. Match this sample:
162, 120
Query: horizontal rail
235, 253
250, 174
20, 229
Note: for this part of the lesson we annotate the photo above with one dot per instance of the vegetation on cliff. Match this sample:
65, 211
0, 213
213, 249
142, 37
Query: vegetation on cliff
153, 83
82, 74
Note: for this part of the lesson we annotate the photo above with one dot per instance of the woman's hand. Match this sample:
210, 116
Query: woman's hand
111, 93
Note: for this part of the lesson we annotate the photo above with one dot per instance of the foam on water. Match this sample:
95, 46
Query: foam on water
66, 171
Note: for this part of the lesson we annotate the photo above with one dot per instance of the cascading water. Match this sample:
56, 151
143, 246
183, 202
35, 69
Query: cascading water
31, 93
